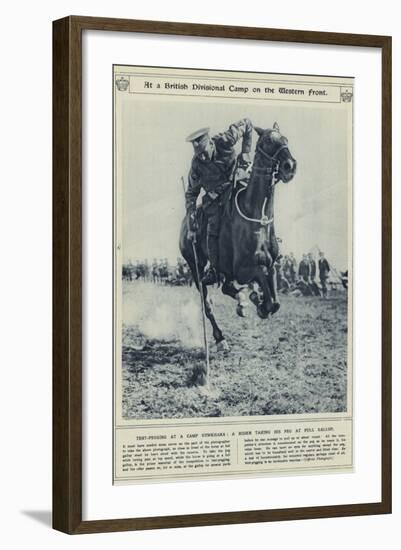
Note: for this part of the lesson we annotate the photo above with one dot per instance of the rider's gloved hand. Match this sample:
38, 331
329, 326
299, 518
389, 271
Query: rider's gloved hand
192, 221
192, 225
244, 160
191, 235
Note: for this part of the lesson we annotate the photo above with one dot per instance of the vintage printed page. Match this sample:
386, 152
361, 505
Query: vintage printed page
232, 274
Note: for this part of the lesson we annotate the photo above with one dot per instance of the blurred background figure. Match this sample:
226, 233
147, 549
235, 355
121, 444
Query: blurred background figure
312, 275
293, 268
324, 270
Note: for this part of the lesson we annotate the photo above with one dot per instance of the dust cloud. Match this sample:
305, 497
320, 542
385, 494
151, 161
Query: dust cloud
166, 316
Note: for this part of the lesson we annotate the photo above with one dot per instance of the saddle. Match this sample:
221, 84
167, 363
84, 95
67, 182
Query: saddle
240, 179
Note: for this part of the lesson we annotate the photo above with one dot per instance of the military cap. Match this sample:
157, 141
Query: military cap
200, 140
196, 136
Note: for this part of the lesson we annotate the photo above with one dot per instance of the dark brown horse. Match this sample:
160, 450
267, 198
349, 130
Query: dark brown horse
247, 242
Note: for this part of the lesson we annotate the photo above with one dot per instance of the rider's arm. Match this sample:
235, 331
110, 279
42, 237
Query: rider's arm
236, 131
193, 189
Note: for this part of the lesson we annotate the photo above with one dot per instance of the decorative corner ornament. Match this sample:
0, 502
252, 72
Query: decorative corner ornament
346, 95
122, 84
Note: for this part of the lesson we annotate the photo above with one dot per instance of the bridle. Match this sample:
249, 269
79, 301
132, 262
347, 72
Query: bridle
272, 170
274, 156
273, 159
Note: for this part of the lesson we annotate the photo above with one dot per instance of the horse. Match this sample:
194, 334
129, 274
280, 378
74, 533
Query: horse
248, 246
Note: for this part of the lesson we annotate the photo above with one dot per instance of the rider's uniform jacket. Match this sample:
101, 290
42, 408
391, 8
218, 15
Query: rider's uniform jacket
213, 175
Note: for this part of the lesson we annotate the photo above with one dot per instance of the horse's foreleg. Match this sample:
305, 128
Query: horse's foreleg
272, 282
196, 272
268, 305
217, 334
238, 294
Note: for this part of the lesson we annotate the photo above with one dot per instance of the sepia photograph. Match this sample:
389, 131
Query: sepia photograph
233, 219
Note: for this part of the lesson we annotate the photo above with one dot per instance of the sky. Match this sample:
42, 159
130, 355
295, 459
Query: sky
311, 211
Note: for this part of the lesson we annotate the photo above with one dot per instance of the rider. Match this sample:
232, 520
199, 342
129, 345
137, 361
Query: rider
212, 169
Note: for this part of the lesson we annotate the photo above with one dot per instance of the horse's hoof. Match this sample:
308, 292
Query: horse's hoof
223, 346
254, 298
242, 310
262, 311
201, 380
275, 307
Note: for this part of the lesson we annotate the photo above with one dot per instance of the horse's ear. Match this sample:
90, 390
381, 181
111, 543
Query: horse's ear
258, 130
276, 127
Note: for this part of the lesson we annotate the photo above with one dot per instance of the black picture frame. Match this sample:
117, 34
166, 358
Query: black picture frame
67, 273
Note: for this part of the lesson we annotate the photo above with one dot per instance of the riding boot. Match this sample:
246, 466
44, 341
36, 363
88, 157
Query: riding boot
212, 274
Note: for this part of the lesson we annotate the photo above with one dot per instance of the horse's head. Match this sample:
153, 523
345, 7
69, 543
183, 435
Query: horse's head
273, 147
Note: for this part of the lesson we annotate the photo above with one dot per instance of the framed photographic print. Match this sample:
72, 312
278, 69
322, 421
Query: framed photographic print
222, 283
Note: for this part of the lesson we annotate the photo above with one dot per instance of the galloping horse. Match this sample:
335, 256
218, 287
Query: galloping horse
248, 245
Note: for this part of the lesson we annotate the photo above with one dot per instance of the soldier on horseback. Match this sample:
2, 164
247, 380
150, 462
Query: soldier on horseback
212, 170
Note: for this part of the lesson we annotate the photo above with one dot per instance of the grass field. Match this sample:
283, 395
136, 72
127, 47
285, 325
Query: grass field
295, 362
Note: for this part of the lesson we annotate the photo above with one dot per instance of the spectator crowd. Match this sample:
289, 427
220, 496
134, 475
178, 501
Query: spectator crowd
308, 277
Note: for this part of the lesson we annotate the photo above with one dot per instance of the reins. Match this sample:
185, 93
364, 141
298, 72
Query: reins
264, 220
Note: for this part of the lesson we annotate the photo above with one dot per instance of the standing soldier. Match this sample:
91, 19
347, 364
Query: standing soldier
312, 275
164, 270
324, 270
179, 271
130, 269
293, 264
287, 269
145, 270
304, 274
212, 169
155, 270
304, 269
283, 284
